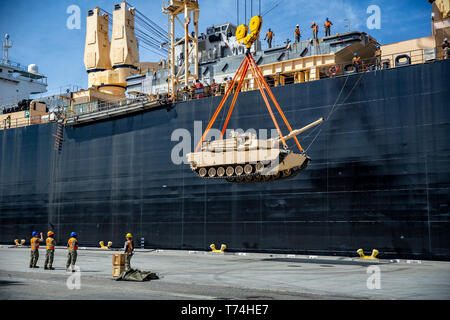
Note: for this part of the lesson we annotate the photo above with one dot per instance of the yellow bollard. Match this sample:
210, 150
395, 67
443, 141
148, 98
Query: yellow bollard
19, 244
222, 248
375, 252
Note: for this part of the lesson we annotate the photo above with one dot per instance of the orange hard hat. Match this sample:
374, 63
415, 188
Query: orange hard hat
50, 233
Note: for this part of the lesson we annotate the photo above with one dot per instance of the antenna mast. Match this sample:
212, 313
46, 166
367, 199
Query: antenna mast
6, 46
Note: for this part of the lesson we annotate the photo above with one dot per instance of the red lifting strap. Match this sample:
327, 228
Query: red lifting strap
248, 62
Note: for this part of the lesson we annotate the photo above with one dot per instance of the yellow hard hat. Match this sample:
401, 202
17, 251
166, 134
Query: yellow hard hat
129, 235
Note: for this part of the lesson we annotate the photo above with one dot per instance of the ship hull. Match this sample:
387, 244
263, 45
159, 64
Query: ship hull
379, 175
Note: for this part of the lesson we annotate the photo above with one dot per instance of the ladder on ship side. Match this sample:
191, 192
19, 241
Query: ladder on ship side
59, 137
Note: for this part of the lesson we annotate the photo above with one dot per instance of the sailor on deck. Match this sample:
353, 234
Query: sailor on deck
297, 34
446, 49
315, 29
328, 25
269, 36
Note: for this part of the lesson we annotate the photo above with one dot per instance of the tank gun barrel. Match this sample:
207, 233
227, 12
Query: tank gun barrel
298, 131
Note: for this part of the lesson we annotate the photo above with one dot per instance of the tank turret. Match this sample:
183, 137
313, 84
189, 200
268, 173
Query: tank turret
244, 158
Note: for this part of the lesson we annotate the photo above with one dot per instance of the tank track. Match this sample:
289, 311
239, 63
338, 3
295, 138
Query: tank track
257, 177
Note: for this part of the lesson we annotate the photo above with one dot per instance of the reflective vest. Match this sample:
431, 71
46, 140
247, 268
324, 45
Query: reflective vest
356, 59
269, 34
72, 244
34, 243
315, 27
50, 243
378, 53
130, 247
297, 31
327, 24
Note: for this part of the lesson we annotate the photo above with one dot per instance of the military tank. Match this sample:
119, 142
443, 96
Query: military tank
244, 159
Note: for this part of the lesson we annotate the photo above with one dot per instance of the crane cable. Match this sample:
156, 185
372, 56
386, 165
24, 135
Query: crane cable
333, 108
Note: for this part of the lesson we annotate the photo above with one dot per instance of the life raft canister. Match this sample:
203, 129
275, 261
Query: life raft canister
333, 70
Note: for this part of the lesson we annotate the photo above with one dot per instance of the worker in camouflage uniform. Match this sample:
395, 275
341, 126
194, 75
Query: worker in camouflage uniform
129, 250
72, 244
50, 246
34, 241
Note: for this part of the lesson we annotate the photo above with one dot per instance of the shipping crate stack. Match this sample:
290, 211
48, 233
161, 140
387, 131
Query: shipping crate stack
118, 264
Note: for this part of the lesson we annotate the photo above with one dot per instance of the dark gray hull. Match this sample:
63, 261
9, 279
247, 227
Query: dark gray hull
379, 175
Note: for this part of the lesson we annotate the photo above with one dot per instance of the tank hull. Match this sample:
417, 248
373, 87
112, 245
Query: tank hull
379, 178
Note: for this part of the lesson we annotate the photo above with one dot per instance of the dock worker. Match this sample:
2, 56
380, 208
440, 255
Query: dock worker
328, 25
129, 250
50, 246
378, 57
8, 121
198, 89
269, 36
34, 241
315, 29
297, 34
356, 61
72, 245
446, 49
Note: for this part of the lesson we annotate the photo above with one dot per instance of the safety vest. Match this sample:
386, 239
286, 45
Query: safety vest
129, 247
72, 244
315, 27
297, 31
356, 59
378, 53
269, 34
327, 24
50, 243
34, 244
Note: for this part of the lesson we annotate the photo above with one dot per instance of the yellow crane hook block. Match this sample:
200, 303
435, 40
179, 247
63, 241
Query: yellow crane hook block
222, 248
242, 35
375, 252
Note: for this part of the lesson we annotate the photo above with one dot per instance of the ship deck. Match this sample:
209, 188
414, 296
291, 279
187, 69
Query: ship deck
186, 275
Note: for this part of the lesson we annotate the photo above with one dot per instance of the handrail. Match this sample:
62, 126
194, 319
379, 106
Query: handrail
22, 122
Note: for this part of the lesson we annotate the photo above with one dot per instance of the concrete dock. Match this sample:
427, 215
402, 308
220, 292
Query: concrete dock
205, 275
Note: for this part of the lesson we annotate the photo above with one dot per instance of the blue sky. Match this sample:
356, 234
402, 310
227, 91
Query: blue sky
39, 33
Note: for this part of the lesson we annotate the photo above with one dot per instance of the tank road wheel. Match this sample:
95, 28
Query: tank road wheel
240, 179
257, 178
259, 167
220, 171
211, 172
248, 168
229, 171
287, 172
239, 170
202, 172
